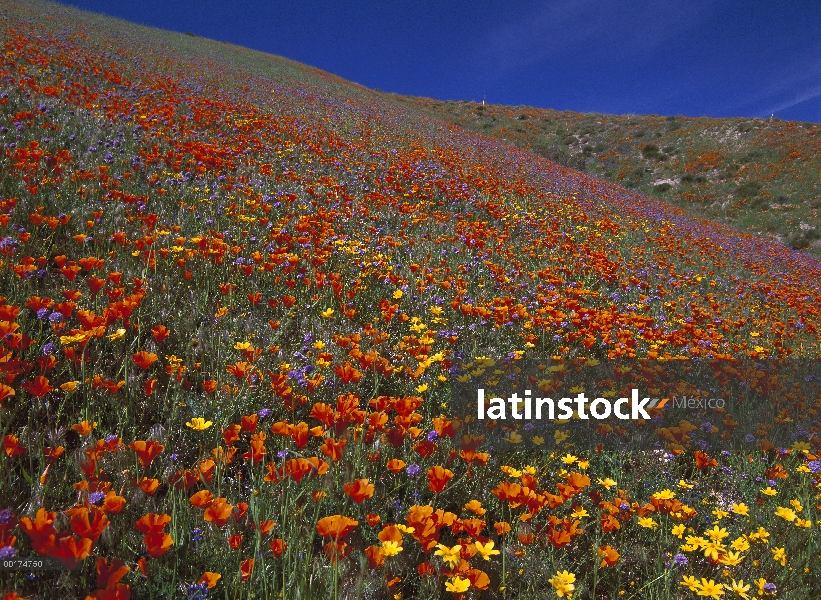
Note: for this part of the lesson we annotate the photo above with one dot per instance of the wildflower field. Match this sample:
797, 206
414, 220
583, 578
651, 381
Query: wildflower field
238, 295
758, 175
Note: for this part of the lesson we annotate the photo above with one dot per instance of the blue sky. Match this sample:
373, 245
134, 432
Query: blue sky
715, 58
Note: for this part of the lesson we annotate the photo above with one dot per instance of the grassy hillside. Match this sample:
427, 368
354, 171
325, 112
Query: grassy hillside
240, 299
758, 175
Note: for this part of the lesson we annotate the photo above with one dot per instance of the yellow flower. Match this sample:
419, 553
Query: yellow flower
717, 534
731, 559
451, 556
514, 438
710, 589
328, 313
796, 504
563, 582
689, 582
762, 535
391, 548
579, 513
713, 548
607, 482
719, 514
648, 522
803, 523
741, 544
242, 345
678, 530
569, 459
684, 485
510, 471
397, 294
760, 583
422, 388
664, 495
741, 509
560, 436
319, 344
768, 491
583, 464
739, 588
787, 514
199, 424
486, 550
457, 585
538, 440
117, 334
780, 556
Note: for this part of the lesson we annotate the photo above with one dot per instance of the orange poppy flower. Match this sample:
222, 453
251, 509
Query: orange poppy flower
201, 499
113, 503
108, 574
333, 449
146, 451
144, 359
210, 579
157, 543
70, 550
373, 519
235, 541
152, 522
359, 490
41, 530
149, 486
438, 478
335, 527
395, 465
265, 527
12, 447
160, 332
88, 522
5, 392
610, 556
245, 569
218, 512
278, 546
375, 556
249, 423
703, 461
38, 387
502, 527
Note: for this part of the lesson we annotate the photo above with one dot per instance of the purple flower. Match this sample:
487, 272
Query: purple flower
413, 470
48, 349
95, 497
5, 516
282, 454
55, 317
42, 314
263, 413
769, 588
432, 436
680, 560
814, 466
7, 552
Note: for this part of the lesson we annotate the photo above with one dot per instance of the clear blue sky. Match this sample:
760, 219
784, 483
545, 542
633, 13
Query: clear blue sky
720, 58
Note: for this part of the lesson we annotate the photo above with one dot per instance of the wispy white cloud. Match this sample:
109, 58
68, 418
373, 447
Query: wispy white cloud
596, 28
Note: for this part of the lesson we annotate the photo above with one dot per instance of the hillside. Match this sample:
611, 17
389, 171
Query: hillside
242, 303
761, 176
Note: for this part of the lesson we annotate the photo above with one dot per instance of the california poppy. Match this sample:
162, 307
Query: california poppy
336, 527
359, 490
146, 451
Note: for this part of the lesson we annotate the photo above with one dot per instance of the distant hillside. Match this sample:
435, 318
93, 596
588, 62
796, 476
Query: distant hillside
759, 175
